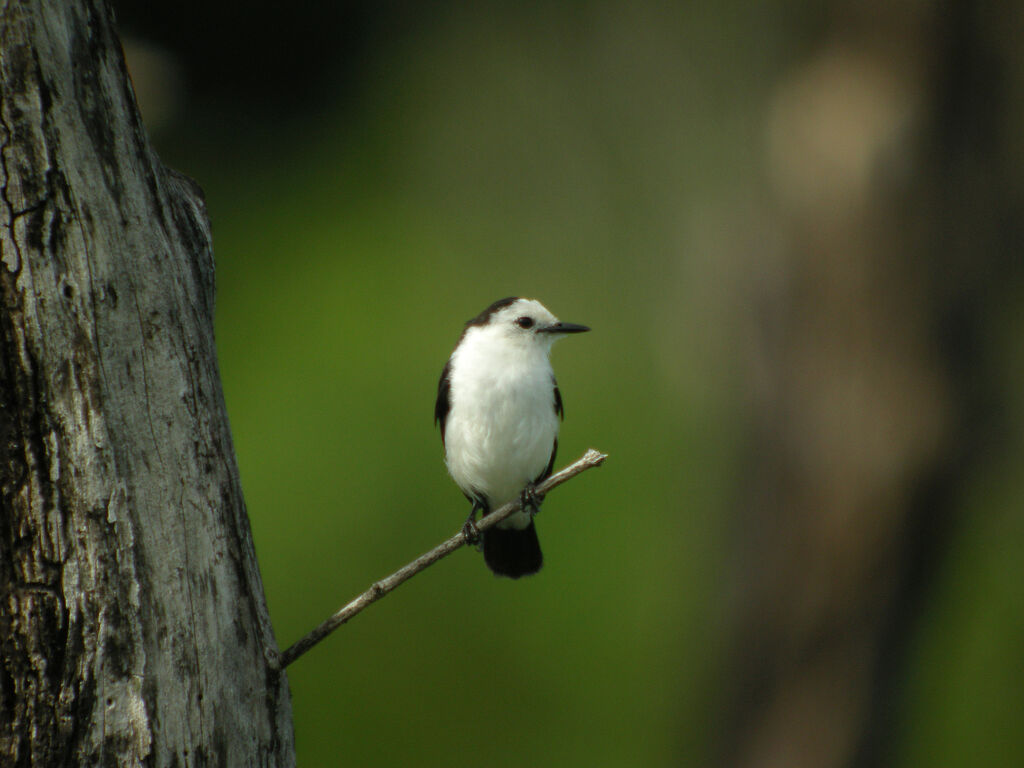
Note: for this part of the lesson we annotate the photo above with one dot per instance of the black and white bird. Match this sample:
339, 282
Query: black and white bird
499, 409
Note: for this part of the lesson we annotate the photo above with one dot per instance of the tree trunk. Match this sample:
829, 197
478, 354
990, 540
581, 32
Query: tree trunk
133, 623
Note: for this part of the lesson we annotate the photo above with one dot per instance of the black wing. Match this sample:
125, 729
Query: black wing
551, 464
554, 446
444, 402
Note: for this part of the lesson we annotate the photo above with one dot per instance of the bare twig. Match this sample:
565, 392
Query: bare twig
590, 459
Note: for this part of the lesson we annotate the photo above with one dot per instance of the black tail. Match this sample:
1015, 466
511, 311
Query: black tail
513, 553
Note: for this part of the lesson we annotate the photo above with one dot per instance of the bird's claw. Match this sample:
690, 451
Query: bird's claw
471, 532
530, 499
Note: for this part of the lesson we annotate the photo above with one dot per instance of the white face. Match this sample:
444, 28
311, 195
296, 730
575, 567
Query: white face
524, 321
523, 324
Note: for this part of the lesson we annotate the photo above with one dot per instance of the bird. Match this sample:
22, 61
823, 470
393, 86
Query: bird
499, 409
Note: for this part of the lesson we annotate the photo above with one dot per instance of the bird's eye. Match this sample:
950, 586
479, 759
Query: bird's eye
525, 322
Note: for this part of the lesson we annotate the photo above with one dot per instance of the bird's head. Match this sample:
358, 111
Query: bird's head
521, 322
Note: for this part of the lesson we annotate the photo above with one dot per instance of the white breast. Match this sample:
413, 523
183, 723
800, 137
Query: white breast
502, 424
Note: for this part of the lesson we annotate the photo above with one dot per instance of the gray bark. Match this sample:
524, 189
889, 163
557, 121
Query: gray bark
133, 623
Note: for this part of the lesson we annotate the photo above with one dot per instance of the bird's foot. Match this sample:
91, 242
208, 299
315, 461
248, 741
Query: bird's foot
530, 499
470, 531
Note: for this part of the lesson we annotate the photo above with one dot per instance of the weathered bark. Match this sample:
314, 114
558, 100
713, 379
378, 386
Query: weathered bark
133, 623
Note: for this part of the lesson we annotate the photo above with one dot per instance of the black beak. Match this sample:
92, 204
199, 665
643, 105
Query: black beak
563, 328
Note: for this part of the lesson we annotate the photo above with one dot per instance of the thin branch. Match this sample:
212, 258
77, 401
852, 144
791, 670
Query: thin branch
590, 459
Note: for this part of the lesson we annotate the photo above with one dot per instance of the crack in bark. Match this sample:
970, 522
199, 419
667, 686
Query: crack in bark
136, 628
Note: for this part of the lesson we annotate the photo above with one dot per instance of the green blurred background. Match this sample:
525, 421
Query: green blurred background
692, 181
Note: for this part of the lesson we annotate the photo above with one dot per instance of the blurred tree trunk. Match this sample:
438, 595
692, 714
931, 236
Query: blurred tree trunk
895, 164
133, 624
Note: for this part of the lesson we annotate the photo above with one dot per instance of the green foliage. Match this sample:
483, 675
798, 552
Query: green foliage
591, 171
